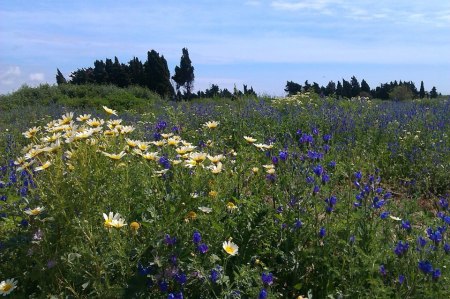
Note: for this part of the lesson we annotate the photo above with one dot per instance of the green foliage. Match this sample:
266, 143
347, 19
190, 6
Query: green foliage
401, 93
80, 96
157, 75
305, 202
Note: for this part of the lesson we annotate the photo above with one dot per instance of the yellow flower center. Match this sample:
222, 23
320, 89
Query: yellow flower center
35, 212
134, 225
108, 223
229, 249
7, 287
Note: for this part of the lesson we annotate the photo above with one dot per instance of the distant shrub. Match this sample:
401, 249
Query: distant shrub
401, 93
80, 96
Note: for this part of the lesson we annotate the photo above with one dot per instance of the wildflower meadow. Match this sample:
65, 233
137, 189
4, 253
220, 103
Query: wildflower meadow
298, 197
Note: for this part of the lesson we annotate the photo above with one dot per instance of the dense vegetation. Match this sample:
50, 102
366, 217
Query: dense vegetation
154, 74
243, 198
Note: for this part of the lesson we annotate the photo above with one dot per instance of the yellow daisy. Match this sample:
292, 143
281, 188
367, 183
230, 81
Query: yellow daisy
66, 118
249, 139
109, 110
142, 145
217, 168
159, 142
35, 211
126, 129
230, 248
150, 156
211, 124
231, 207
131, 143
215, 159
95, 122
43, 166
115, 156
83, 117
185, 149
173, 141
198, 157
31, 132
113, 220
7, 286
165, 136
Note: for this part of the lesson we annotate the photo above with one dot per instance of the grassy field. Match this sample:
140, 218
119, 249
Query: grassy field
245, 198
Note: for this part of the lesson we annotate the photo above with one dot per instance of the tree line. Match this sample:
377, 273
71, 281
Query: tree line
153, 74
393, 90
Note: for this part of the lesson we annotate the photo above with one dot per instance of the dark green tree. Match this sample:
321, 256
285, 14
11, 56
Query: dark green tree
109, 68
119, 74
422, 90
60, 77
100, 74
339, 89
292, 88
433, 93
346, 89
330, 89
157, 75
82, 76
249, 92
316, 87
184, 74
213, 91
364, 86
307, 86
136, 72
356, 89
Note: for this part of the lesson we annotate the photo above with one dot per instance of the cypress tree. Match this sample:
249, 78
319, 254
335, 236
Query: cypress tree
422, 90
100, 74
60, 77
339, 89
364, 86
157, 75
355, 88
184, 74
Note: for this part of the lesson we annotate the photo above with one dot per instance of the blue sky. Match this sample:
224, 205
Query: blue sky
259, 43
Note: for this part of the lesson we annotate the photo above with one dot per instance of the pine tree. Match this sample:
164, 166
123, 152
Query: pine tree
422, 90
184, 74
60, 77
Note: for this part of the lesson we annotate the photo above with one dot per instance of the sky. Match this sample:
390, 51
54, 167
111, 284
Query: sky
262, 44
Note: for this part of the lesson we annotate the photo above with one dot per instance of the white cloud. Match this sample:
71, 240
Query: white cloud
10, 75
37, 77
